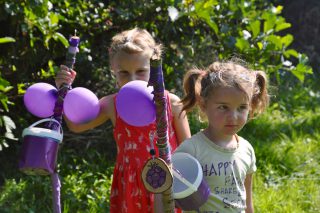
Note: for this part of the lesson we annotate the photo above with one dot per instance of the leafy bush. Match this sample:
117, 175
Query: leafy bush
193, 33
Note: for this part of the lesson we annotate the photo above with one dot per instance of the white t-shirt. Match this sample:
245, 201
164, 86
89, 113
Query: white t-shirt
225, 171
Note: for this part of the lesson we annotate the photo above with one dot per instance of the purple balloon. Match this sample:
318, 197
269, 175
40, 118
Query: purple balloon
135, 103
81, 105
40, 99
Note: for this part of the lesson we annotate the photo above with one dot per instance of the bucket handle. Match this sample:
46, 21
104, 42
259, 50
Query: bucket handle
178, 175
45, 120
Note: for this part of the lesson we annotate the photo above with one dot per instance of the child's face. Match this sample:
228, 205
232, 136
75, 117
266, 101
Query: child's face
227, 111
129, 67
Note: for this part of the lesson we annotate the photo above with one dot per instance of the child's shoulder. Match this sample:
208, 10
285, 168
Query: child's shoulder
173, 98
108, 100
245, 143
191, 145
107, 104
194, 140
175, 103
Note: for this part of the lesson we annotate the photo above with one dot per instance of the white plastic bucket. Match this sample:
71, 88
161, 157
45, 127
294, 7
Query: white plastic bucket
190, 190
40, 148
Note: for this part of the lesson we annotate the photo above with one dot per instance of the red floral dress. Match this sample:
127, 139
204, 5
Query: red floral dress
128, 194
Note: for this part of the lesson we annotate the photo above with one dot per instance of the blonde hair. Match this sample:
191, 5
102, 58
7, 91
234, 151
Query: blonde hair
199, 84
133, 41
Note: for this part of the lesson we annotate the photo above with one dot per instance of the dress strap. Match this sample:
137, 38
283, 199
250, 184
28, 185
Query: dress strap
114, 105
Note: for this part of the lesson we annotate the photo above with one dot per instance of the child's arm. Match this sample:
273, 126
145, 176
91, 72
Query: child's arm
248, 186
67, 76
106, 112
180, 121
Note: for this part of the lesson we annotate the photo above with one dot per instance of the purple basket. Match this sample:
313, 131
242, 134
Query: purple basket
190, 189
40, 149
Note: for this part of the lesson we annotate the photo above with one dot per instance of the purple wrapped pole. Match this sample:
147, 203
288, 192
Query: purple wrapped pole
56, 185
156, 80
70, 61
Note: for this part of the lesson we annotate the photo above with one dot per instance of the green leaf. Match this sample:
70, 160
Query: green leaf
204, 14
276, 40
4, 102
7, 40
61, 38
301, 70
291, 52
210, 3
214, 26
3, 83
254, 27
287, 40
46, 40
270, 20
282, 26
242, 44
54, 19
21, 89
278, 9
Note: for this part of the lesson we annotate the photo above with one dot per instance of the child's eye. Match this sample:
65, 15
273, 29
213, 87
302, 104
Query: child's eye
123, 73
243, 108
141, 72
222, 107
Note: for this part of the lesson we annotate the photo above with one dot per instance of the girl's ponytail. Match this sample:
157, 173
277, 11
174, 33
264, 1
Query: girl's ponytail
192, 88
260, 97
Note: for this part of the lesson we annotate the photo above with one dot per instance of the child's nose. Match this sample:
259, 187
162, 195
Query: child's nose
132, 78
233, 115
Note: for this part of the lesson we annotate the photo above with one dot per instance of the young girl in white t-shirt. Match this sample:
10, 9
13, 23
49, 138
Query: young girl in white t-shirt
228, 94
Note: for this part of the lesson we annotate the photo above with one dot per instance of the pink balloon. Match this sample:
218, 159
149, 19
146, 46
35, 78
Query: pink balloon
81, 105
40, 99
135, 103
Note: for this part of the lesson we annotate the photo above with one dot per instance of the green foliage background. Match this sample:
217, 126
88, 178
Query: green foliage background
33, 41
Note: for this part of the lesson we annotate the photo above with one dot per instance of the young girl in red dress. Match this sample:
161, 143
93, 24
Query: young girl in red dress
130, 54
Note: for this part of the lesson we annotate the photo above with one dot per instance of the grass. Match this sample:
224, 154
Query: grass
286, 142
85, 178
287, 149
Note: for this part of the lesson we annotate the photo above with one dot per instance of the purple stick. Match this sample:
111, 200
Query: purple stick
70, 61
56, 185
156, 80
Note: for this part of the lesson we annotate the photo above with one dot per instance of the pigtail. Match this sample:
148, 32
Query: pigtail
192, 88
260, 96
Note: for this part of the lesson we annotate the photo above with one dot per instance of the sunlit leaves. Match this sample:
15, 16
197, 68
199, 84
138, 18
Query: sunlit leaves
275, 40
300, 71
291, 52
59, 37
269, 21
8, 125
204, 11
254, 27
287, 40
242, 44
7, 40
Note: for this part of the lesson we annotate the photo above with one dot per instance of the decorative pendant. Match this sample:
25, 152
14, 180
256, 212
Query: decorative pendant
156, 175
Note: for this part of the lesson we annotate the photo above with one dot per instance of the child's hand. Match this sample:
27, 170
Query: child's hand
65, 76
